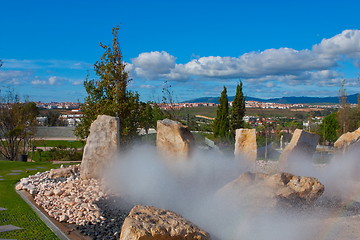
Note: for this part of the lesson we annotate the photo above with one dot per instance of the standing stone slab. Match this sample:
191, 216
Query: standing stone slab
173, 139
245, 145
146, 223
101, 146
302, 144
347, 140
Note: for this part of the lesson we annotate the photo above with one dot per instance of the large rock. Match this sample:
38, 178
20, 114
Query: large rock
302, 144
245, 145
260, 190
63, 172
145, 223
173, 139
101, 145
347, 140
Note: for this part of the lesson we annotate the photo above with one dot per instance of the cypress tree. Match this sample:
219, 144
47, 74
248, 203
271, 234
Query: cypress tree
109, 95
221, 122
238, 110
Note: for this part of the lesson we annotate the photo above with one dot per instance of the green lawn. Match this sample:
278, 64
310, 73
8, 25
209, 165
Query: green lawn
18, 213
57, 143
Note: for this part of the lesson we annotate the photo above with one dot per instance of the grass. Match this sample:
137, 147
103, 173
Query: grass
56, 143
18, 212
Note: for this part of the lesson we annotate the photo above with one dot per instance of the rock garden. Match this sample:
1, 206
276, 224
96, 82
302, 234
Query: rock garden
241, 203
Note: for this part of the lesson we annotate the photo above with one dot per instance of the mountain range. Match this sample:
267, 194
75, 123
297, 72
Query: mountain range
286, 100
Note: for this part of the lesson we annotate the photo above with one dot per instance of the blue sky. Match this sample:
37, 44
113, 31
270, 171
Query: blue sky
277, 48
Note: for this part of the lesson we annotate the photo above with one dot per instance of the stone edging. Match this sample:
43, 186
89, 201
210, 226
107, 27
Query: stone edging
60, 234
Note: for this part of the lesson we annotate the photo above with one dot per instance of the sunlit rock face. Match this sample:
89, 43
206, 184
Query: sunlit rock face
260, 190
348, 140
101, 145
245, 145
302, 146
146, 223
173, 139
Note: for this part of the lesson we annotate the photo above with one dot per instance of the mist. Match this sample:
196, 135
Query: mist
189, 187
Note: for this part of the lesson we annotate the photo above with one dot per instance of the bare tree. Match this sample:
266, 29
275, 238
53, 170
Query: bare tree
17, 125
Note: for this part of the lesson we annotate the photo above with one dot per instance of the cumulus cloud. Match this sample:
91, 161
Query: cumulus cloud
308, 66
153, 64
346, 43
249, 65
269, 62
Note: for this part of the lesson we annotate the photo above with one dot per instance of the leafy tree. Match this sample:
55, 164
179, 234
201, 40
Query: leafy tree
109, 95
238, 110
157, 114
17, 125
354, 119
147, 118
329, 128
221, 125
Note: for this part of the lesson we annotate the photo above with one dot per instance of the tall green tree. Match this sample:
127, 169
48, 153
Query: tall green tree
157, 114
109, 94
238, 110
221, 125
329, 128
17, 125
147, 118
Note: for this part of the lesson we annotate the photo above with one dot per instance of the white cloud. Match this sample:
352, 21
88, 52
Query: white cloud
14, 77
346, 43
147, 86
269, 62
52, 80
290, 66
151, 65
77, 82
39, 82
42, 63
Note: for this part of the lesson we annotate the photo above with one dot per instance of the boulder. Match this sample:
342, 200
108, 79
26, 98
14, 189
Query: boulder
101, 146
347, 140
146, 222
302, 144
63, 172
173, 139
245, 145
260, 190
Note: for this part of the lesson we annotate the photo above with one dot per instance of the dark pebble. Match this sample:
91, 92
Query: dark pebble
115, 210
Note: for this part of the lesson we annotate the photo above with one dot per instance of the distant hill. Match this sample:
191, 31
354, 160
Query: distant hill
287, 100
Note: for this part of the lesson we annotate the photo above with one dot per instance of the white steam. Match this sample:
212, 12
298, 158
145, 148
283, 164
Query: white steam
188, 188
